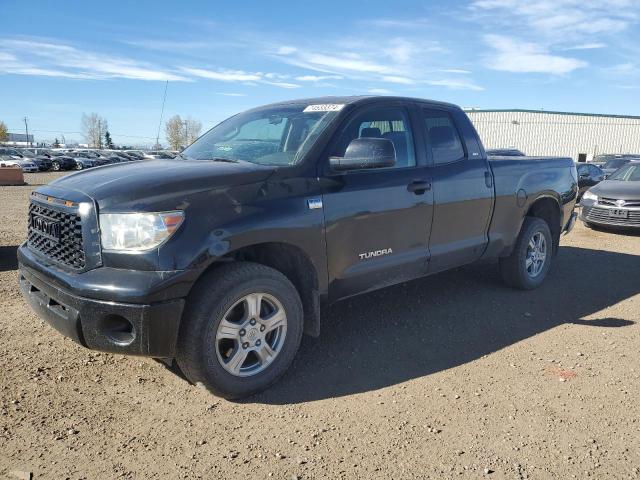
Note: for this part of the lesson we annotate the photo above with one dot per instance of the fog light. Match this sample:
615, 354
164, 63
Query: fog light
118, 329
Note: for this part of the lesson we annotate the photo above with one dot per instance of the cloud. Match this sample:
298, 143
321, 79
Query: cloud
455, 85
59, 60
379, 91
223, 75
561, 19
236, 76
511, 55
587, 46
455, 70
317, 78
397, 79
232, 94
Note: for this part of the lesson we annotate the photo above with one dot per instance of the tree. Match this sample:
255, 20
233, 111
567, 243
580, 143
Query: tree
108, 143
174, 131
4, 133
93, 129
181, 133
56, 143
192, 129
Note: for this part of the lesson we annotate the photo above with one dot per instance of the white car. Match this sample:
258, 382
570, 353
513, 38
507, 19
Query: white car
26, 165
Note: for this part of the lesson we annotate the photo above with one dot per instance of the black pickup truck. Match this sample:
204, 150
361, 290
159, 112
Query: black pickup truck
224, 256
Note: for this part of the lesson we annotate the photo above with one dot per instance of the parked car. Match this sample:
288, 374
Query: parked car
10, 153
273, 215
61, 161
505, 152
614, 162
154, 155
615, 202
42, 161
588, 176
137, 154
26, 165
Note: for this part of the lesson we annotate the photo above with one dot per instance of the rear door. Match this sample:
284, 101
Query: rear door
377, 220
462, 189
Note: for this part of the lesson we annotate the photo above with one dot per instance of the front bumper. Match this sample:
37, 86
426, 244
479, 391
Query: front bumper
149, 328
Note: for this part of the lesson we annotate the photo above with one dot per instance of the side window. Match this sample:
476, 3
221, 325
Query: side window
442, 137
595, 171
391, 123
582, 169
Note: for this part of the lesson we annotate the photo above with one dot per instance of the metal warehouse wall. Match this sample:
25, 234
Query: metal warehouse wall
556, 133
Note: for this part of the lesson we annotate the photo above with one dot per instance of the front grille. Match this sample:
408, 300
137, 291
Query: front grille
68, 249
601, 215
612, 202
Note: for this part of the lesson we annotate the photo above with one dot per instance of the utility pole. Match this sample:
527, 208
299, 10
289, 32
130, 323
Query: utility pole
26, 129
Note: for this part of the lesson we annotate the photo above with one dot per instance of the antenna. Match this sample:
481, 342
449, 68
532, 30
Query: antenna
164, 99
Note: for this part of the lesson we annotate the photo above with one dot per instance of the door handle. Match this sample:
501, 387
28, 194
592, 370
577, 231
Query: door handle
419, 186
488, 179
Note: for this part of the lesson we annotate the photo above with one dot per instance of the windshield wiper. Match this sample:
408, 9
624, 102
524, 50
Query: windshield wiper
222, 159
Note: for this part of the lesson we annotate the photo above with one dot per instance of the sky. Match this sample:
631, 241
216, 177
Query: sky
61, 59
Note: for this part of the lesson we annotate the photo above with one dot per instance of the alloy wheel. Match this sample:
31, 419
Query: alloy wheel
251, 334
536, 254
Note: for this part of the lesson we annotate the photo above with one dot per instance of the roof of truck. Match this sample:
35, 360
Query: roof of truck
357, 99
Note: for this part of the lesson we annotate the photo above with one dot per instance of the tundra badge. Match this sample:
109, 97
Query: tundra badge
377, 253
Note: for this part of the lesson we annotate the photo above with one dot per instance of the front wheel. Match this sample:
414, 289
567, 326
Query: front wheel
241, 329
530, 261
79, 166
55, 166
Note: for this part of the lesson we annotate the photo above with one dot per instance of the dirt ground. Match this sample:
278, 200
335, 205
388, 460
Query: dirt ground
452, 376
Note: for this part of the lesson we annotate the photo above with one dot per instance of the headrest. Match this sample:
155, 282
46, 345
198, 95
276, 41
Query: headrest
370, 133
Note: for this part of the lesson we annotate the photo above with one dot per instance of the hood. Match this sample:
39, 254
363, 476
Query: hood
124, 183
617, 189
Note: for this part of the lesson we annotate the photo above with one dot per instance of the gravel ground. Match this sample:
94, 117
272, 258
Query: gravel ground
452, 376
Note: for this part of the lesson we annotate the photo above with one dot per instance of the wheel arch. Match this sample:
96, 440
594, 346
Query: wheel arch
294, 264
547, 208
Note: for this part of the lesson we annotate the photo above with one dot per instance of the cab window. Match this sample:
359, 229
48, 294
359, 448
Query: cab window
442, 137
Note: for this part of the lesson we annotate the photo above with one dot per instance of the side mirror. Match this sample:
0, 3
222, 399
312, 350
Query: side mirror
364, 153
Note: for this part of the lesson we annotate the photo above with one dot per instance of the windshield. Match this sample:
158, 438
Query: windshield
628, 173
279, 135
615, 163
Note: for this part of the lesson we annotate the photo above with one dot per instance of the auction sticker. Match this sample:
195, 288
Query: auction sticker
325, 107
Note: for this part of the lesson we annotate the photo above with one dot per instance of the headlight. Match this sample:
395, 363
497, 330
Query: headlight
134, 232
590, 196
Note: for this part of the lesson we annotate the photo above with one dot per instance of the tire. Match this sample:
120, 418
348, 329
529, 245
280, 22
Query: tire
55, 166
206, 359
79, 166
516, 270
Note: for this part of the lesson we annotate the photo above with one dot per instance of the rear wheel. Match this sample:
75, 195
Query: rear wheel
241, 329
55, 166
79, 166
528, 265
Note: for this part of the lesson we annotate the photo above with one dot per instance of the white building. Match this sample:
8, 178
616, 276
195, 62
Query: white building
19, 140
580, 136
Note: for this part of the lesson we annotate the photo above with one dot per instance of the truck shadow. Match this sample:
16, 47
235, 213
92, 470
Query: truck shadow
433, 324
8, 258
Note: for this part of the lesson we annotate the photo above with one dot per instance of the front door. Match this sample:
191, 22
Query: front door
378, 220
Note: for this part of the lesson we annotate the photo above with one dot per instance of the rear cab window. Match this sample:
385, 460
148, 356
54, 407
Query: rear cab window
442, 137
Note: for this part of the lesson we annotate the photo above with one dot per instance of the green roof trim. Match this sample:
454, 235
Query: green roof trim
517, 110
